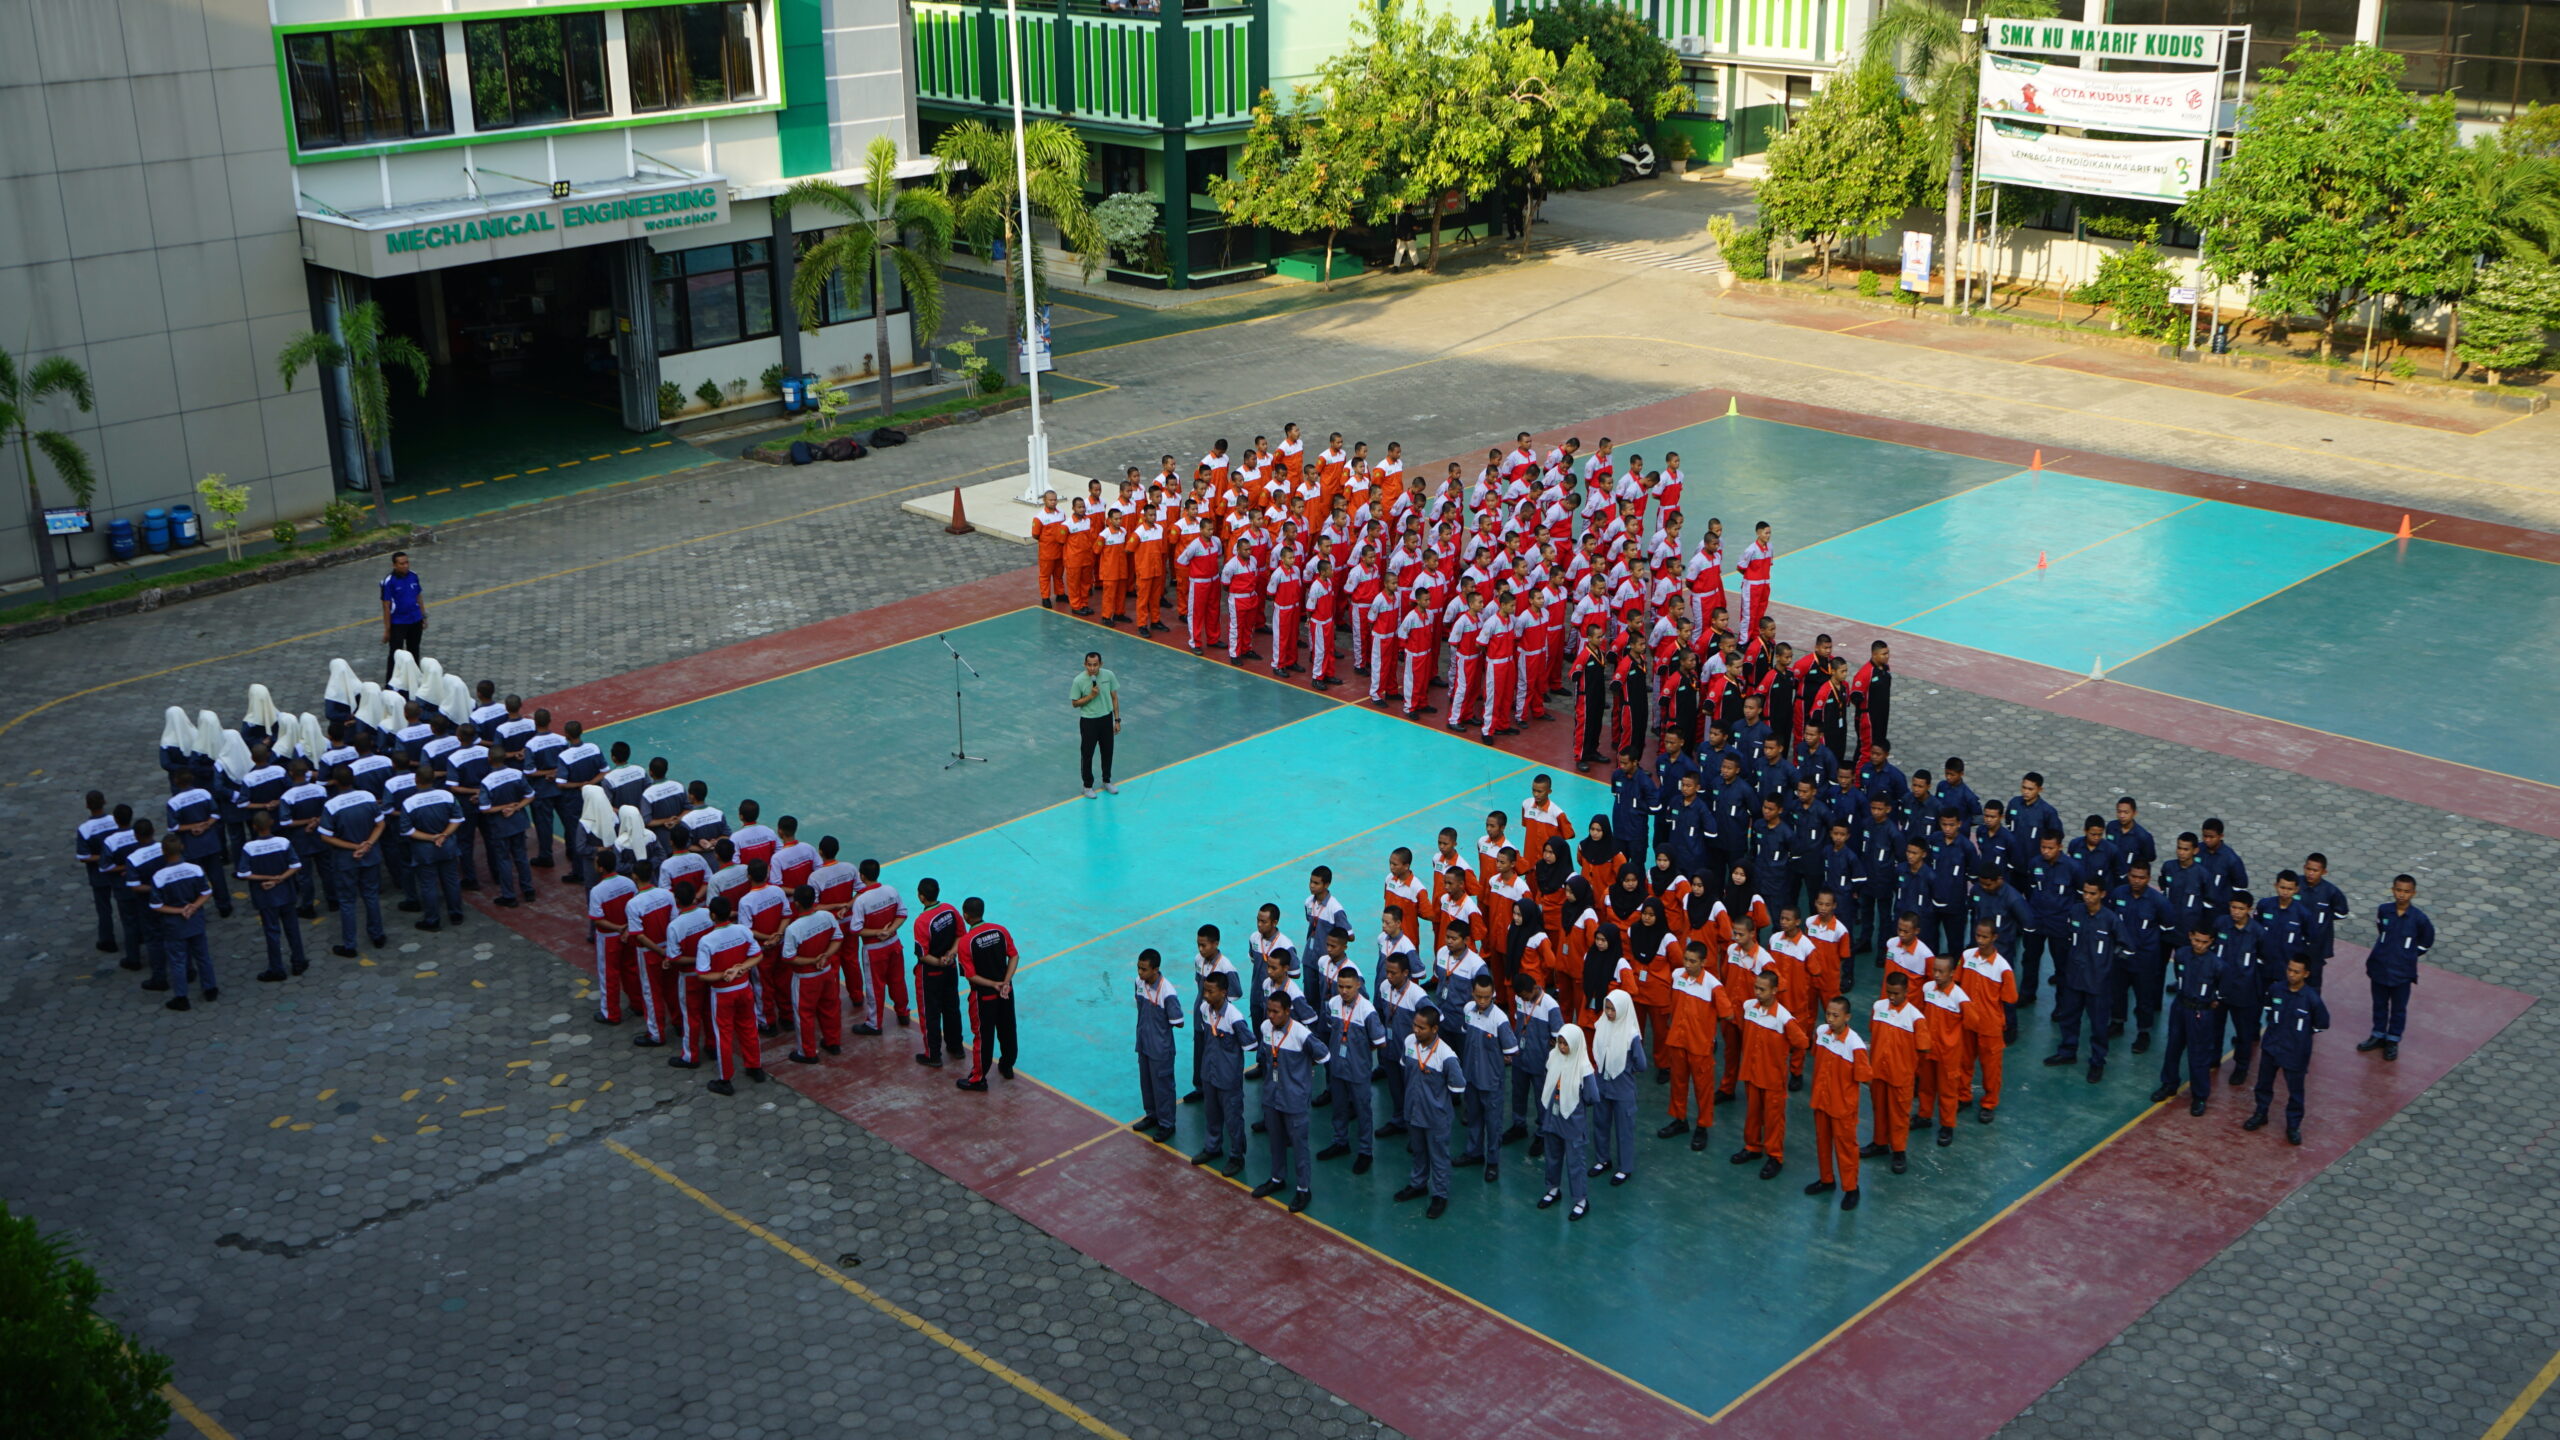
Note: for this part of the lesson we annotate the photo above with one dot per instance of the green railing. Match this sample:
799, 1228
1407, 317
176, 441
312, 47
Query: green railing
1091, 63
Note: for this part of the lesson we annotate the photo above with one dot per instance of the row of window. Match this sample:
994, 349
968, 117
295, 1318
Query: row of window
2493, 58
721, 294
389, 83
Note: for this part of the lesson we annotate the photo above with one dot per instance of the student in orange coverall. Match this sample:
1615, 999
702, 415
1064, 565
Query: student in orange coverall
1772, 1037
1900, 1034
1700, 1001
1841, 1071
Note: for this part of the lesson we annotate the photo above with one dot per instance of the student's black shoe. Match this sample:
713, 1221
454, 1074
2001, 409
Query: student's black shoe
1899, 1164
2196, 1109
1492, 1173
1919, 1120
1261, 1128
1081, 610
1254, 1074
1299, 1201
211, 994
1267, 1189
1537, 1146
429, 926
1466, 1161
864, 1030
1744, 1157
1248, 655
176, 1002
1599, 1167
1410, 1192
1580, 1209
1620, 1177
508, 902
1508, 730
2009, 1033
155, 984
2141, 1042
271, 977
2292, 1137
1698, 1142
455, 918
2255, 1122
2054, 1060
2115, 1027
1232, 1168
1984, 1114
721, 1087
2239, 1074
1438, 1207
1671, 1129
1946, 1134
1517, 1133
1334, 1151
1392, 1128
409, 907
1162, 1135
1795, 1082
646, 1042
1047, 603
1820, 1187
2371, 1043
377, 941
1321, 1101
970, 1085
343, 952
831, 1049
1359, 669
128, 964
1769, 1169
469, 886
1427, 710
2165, 1092
768, 1031
1205, 1157
2391, 1050
1191, 1099
1869, 1152
678, 1062
1548, 1200
1360, 1164
796, 1058
1724, 1097
307, 912
1142, 1125
541, 862
2097, 1072
1849, 1200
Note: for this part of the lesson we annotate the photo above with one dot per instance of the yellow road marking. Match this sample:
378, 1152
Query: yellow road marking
539, 470
445, 491
634, 450
2514, 1414
468, 484
510, 475
193, 1413
1070, 1150
878, 1301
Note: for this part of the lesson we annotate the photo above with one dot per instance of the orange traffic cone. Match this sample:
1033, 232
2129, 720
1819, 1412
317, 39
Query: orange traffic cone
2404, 528
959, 518
2040, 561
2039, 461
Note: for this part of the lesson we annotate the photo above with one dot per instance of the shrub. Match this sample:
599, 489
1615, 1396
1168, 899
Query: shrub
670, 400
1748, 253
69, 1373
2404, 368
708, 392
1677, 146
982, 372
284, 535
771, 380
343, 519
737, 389
1870, 284
1128, 224
2136, 283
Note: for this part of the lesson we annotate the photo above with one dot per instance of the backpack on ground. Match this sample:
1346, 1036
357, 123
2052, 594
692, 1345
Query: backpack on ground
802, 452
884, 437
843, 448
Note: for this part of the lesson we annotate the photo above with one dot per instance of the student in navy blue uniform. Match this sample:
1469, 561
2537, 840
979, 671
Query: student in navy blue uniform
1996, 903
88, 848
1914, 891
195, 836
147, 856
1996, 843
2095, 854
2402, 936
2295, 1013
2092, 951
180, 890
1735, 807
2051, 883
1688, 830
303, 806
1208, 961
1846, 876
397, 787
538, 756
2229, 873
505, 796
1535, 1017
2328, 906
1568, 1100
1618, 1060
1881, 779
435, 822
2287, 923
273, 874
2031, 816
1772, 845
1219, 1048
1356, 1035
1955, 797
1633, 798
1435, 1081
351, 832
1290, 1054
2142, 915
2133, 843
2194, 1044
465, 767
1486, 1046
114, 852
1809, 826
2187, 882
1159, 1015
2247, 971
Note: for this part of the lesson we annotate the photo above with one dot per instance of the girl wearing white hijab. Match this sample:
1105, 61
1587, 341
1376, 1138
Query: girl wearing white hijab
338, 702
454, 699
206, 746
1566, 1104
258, 721
430, 681
312, 741
1617, 1060
596, 831
632, 838
405, 674
177, 741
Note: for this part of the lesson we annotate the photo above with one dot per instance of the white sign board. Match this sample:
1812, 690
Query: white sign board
2158, 102
2166, 170
2182, 294
2177, 44
1915, 260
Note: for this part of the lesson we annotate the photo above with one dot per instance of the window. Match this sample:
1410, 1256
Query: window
2493, 57
536, 71
845, 301
713, 295
688, 55
358, 87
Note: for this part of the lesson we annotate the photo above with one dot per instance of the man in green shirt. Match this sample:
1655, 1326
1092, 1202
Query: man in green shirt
1095, 696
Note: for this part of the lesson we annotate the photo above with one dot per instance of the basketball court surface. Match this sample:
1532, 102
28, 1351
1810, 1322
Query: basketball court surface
2249, 620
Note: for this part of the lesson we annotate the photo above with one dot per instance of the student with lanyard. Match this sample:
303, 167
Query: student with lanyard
987, 961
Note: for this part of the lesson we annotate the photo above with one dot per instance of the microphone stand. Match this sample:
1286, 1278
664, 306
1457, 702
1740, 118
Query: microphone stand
959, 726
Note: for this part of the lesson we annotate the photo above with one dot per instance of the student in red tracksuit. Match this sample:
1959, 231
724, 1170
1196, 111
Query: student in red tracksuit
1841, 1072
1322, 607
1902, 1039
1242, 581
723, 958
1288, 592
1418, 645
1772, 1038
1201, 562
1700, 1003
1946, 1059
764, 908
878, 911
1464, 625
1500, 633
607, 900
987, 962
1794, 952
645, 918
808, 946
692, 998
1757, 560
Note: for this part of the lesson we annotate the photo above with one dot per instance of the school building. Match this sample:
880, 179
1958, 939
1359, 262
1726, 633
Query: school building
566, 203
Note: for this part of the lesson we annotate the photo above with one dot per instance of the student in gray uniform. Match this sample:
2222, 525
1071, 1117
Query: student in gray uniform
180, 890
273, 874
351, 830
1219, 1050
1536, 1018
299, 812
1487, 1044
1355, 1034
133, 881
1399, 996
195, 836
1159, 1015
435, 820
1290, 1054
113, 850
1434, 1078
505, 796
88, 847
1209, 960
1617, 1058
1568, 1097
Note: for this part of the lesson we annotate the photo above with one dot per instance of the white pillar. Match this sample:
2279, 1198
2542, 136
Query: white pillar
2369, 22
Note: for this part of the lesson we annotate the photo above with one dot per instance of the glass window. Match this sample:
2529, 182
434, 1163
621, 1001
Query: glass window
712, 295
687, 55
536, 71
359, 87
2415, 24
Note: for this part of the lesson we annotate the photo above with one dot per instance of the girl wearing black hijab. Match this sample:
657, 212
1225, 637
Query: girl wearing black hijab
1601, 857
1655, 953
1547, 881
1600, 966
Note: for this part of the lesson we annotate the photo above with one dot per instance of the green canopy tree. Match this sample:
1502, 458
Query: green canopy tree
892, 227
1940, 52
363, 346
1549, 118
1305, 169
1636, 65
978, 174
1398, 86
2504, 320
55, 377
2342, 187
2513, 196
1850, 165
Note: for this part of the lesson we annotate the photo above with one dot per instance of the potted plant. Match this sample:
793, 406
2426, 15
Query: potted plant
1130, 228
1677, 150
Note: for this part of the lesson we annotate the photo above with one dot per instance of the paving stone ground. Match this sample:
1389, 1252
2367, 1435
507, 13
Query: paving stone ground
511, 1273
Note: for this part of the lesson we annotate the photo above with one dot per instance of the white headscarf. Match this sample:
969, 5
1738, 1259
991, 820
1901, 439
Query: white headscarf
455, 699
430, 680
1614, 1037
177, 732
313, 742
634, 837
261, 711
405, 675
1563, 1093
233, 758
343, 684
595, 813
208, 735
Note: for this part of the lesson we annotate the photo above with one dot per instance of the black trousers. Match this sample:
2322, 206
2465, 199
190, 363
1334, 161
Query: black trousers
403, 637
991, 1024
1094, 732
938, 997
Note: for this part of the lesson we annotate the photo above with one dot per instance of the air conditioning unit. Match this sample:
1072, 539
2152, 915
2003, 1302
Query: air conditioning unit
1690, 44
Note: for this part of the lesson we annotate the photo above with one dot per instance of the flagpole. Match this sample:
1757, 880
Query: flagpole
1036, 483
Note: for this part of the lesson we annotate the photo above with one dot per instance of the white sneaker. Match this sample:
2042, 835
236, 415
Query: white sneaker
1110, 789
1090, 793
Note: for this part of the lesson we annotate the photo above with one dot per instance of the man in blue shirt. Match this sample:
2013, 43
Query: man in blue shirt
2402, 936
404, 612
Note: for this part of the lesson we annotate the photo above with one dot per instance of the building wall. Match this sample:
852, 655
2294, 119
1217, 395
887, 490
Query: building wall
1306, 33
147, 231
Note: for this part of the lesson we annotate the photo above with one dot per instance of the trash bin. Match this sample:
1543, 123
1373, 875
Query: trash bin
120, 540
155, 530
792, 394
183, 530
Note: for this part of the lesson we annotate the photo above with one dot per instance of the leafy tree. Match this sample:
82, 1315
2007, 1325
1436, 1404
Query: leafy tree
1395, 96
1636, 65
1850, 165
53, 377
68, 1373
978, 173
893, 226
1305, 169
362, 347
1940, 53
2513, 195
2136, 282
2341, 188
2504, 319
2536, 132
1550, 121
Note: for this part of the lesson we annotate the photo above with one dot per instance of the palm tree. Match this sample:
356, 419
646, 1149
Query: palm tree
2515, 197
362, 346
893, 225
1940, 54
987, 208
54, 375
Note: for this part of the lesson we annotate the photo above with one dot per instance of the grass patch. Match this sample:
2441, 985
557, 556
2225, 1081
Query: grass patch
854, 426
161, 577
